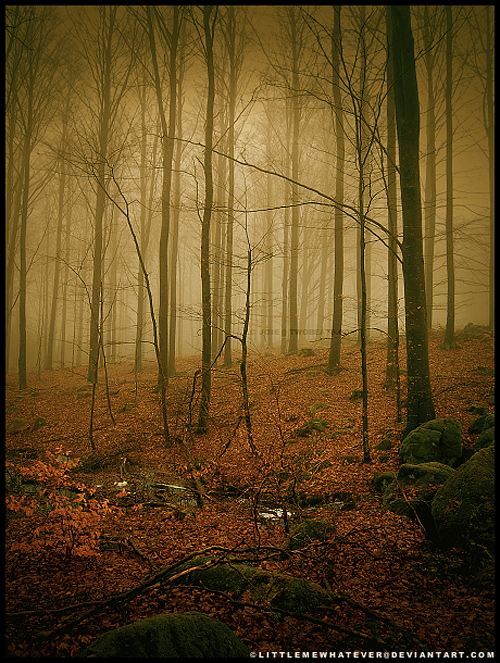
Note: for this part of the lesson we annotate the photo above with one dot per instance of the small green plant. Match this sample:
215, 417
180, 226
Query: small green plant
67, 517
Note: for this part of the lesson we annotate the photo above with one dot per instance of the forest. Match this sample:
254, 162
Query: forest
249, 330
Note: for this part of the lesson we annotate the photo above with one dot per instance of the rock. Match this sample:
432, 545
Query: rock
304, 533
17, 425
278, 590
486, 439
418, 511
319, 425
381, 480
317, 405
357, 395
464, 508
384, 445
476, 409
479, 332
185, 635
39, 422
482, 423
424, 475
439, 440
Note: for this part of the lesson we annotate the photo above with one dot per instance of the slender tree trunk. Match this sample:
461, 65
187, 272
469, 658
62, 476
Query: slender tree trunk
325, 251
293, 345
168, 135
142, 223
206, 356
490, 131
392, 367
60, 219
22, 248
285, 326
430, 169
363, 320
67, 245
420, 406
176, 197
338, 279
104, 122
218, 250
449, 336
269, 244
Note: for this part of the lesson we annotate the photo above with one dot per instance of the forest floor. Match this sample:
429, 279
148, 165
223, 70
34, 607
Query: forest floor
379, 560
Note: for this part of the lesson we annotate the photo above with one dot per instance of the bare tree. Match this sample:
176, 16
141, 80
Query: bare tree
207, 39
449, 336
420, 405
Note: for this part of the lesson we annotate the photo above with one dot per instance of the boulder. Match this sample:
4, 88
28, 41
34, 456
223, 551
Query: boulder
304, 533
463, 508
424, 475
438, 440
482, 423
424, 478
381, 480
486, 439
185, 635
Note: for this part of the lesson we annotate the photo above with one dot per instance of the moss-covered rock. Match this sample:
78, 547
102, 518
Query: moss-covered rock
482, 423
17, 425
319, 425
464, 507
486, 439
381, 480
424, 475
384, 445
280, 591
186, 635
439, 440
304, 533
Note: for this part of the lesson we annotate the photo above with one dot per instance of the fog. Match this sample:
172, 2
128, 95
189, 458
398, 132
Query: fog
88, 192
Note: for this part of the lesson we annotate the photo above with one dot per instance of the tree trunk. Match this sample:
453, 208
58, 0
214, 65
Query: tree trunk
430, 168
22, 244
490, 131
168, 134
206, 355
338, 279
392, 367
420, 406
60, 218
293, 344
449, 336
176, 198
104, 127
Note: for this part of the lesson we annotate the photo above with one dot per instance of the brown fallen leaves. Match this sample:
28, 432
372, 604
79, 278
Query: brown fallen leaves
377, 558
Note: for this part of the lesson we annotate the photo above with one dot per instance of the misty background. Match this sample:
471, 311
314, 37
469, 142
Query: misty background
85, 150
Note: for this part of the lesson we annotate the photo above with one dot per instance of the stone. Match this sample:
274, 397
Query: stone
184, 635
381, 480
486, 439
424, 475
463, 508
304, 533
17, 425
319, 425
39, 422
438, 440
482, 423
424, 478
384, 445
